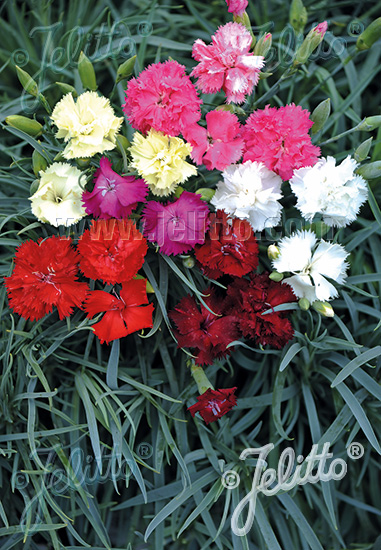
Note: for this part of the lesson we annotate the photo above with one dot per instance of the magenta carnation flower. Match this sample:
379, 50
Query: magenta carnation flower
113, 196
279, 138
162, 97
220, 144
227, 63
177, 226
237, 6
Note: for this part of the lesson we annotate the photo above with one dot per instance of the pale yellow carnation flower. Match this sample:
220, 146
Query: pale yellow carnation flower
89, 125
58, 198
159, 159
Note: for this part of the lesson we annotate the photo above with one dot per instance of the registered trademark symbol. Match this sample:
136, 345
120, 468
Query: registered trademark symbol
355, 451
144, 450
230, 479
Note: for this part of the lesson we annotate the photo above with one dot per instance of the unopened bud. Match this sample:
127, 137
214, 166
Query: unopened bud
263, 45
304, 304
310, 43
125, 70
83, 163
179, 191
34, 187
38, 162
25, 124
273, 252
320, 115
122, 143
86, 72
149, 287
231, 108
263, 75
67, 89
324, 308
27, 82
369, 123
370, 171
362, 150
189, 262
205, 193
275, 276
298, 15
369, 36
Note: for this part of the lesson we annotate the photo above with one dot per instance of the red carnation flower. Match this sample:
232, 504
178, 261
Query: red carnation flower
45, 275
124, 314
213, 404
112, 250
207, 333
247, 300
230, 247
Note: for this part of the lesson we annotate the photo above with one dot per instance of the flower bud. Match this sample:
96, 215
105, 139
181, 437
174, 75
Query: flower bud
25, 124
263, 75
205, 193
149, 287
275, 276
263, 45
310, 43
362, 150
38, 162
34, 187
231, 108
122, 143
369, 36
83, 163
273, 252
67, 89
189, 262
27, 82
199, 376
244, 20
304, 304
125, 69
369, 123
298, 15
320, 115
179, 191
86, 72
324, 308
370, 171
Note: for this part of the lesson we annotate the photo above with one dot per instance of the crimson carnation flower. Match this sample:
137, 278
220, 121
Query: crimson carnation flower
247, 300
218, 145
162, 97
207, 333
123, 314
112, 250
113, 196
177, 226
230, 247
45, 275
279, 138
213, 404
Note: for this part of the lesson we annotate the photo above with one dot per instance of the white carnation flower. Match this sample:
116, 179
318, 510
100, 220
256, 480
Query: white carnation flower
250, 192
336, 192
58, 198
311, 262
89, 125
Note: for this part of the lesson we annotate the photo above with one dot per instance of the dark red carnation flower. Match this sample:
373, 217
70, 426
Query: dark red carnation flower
247, 300
207, 333
45, 275
213, 404
230, 247
112, 250
124, 314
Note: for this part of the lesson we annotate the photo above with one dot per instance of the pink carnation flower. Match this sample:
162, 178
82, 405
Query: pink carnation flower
227, 63
237, 6
113, 196
218, 145
163, 98
177, 226
279, 138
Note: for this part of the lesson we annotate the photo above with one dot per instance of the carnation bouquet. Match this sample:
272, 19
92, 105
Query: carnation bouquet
191, 271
